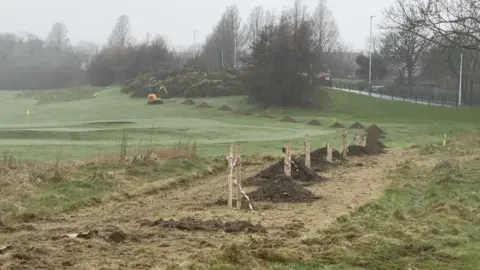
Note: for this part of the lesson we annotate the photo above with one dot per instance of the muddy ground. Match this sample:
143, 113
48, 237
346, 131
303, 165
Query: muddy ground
176, 228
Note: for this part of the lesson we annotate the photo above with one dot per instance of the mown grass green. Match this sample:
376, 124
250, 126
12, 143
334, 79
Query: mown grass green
427, 219
69, 122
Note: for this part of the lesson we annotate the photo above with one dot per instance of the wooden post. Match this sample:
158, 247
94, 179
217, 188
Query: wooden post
358, 141
239, 177
307, 152
345, 143
287, 169
329, 152
230, 177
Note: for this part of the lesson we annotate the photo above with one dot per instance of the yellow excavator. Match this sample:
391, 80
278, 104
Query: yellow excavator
154, 94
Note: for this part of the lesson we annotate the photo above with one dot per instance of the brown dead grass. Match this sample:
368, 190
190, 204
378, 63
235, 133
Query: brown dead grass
286, 225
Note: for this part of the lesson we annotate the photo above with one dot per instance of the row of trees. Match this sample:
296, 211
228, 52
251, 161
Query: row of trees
421, 42
32, 63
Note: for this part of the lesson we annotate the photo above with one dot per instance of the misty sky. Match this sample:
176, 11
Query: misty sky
93, 20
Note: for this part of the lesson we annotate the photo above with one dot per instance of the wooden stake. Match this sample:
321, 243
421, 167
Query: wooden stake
307, 152
329, 152
230, 177
287, 169
345, 143
239, 177
358, 142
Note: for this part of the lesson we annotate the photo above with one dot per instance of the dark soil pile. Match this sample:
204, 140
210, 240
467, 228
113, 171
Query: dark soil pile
357, 125
314, 123
188, 102
318, 158
357, 150
374, 129
282, 189
241, 111
192, 224
204, 105
224, 108
374, 145
288, 119
299, 172
265, 115
337, 125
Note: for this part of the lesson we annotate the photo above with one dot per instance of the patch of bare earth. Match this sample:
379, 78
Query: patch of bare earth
123, 234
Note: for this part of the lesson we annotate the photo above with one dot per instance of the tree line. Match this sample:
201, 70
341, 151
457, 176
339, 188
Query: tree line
277, 55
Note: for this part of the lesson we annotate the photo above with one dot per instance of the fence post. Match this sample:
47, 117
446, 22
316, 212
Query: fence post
287, 169
307, 152
239, 177
345, 143
329, 152
230, 159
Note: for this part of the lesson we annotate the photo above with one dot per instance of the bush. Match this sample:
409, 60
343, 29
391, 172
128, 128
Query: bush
189, 83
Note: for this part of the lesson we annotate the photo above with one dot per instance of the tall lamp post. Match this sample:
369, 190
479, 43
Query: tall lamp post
194, 43
370, 53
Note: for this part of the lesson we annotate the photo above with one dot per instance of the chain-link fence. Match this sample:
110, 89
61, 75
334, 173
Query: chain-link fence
426, 97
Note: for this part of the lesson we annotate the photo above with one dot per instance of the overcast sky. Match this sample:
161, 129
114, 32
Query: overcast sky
93, 20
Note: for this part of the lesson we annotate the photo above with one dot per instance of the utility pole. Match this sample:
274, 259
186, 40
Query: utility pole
235, 51
370, 54
222, 57
194, 43
461, 79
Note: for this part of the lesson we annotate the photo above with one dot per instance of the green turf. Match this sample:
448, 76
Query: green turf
428, 219
74, 121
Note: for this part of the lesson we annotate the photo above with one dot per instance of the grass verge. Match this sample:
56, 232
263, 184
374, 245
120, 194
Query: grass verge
427, 219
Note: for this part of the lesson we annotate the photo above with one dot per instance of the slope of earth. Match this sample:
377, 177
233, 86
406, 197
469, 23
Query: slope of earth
123, 234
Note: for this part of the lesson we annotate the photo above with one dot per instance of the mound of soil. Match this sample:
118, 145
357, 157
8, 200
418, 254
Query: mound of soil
318, 158
374, 145
188, 102
225, 108
314, 123
357, 150
288, 119
337, 125
357, 125
241, 111
192, 224
282, 189
299, 172
265, 115
204, 105
374, 129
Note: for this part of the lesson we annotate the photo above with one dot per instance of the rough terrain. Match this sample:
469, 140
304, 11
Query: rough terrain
175, 228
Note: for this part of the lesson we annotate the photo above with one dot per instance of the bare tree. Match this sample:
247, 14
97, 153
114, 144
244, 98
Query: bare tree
121, 33
58, 37
254, 24
403, 48
325, 33
225, 39
445, 20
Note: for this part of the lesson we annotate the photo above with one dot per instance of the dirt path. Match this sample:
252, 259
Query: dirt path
40, 245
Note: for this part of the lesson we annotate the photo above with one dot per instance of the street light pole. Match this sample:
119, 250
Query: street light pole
461, 79
370, 53
194, 43
235, 51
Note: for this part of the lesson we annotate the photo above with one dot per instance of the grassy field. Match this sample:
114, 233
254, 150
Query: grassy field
415, 207
76, 123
